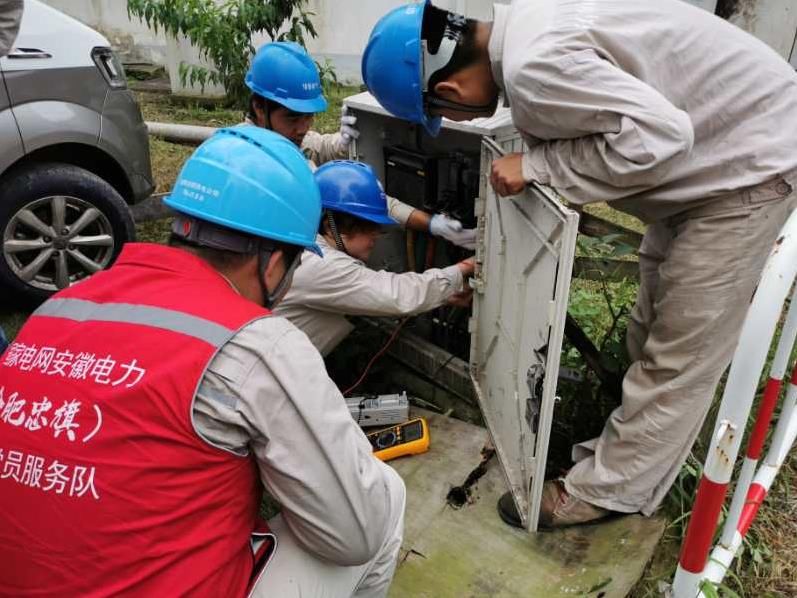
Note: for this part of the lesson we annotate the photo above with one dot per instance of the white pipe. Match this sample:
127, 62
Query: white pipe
721, 559
785, 431
787, 339
738, 502
686, 584
176, 133
766, 476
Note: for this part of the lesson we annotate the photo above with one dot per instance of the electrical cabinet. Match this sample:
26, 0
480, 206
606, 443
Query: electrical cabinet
513, 336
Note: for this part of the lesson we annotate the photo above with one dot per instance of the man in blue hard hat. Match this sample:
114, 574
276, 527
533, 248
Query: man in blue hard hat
326, 291
668, 113
151, 403
286, 95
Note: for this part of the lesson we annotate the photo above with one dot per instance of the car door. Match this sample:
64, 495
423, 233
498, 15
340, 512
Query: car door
11, 148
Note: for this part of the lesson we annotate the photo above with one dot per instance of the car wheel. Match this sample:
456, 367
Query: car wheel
58, 224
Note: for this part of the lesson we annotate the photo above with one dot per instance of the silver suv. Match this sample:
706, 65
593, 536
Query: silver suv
74, 154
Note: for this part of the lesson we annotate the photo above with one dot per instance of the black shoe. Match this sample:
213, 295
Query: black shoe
508, 512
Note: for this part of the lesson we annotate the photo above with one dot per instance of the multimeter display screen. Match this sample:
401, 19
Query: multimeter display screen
383, 440
411, 438
413, 431
402, 434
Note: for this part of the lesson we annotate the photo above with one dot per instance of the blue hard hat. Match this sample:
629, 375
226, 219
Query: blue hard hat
254, 181
392, 65
284, 73
352, 187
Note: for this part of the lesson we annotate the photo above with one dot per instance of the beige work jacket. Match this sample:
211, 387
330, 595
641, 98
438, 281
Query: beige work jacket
326, 290
653, 105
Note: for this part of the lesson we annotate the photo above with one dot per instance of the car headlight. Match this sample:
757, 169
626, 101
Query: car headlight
110, 66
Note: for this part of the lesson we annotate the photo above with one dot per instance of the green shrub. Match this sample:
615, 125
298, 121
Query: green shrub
222, 31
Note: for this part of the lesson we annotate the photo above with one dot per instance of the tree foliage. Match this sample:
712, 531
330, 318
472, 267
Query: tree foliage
222, 31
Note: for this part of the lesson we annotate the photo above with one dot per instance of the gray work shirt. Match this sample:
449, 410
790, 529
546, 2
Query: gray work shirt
267, 392
326, 290
653, 105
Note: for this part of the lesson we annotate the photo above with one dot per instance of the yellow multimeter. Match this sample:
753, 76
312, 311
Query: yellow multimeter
410, 438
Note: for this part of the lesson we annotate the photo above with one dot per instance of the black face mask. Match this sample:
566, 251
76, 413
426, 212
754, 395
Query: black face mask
431, 101
292, 255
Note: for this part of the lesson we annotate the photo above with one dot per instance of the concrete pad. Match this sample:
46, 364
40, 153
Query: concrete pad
470, 552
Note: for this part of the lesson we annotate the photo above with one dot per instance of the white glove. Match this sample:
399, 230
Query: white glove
451, 230
348, 129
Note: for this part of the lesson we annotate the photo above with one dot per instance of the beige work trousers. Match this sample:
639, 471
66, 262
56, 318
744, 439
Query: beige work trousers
698, 272
293, 572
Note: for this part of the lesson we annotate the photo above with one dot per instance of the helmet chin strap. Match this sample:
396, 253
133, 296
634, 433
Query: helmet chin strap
333, 228
263, 258
267, 113
272, 298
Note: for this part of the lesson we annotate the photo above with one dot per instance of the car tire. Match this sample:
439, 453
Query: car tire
36, 259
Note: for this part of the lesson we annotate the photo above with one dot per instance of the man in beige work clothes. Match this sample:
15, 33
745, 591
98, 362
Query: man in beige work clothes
286, 96
666, 112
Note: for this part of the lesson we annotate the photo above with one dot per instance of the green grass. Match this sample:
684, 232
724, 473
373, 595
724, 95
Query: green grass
160, 107
167, 160
602, 210
11, 319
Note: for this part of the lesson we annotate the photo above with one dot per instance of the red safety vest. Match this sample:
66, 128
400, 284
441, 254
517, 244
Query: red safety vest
105, 487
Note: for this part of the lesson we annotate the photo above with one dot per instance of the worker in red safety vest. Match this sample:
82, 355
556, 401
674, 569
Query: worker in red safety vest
143, 410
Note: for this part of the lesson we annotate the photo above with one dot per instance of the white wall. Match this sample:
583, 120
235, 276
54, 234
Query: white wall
344, 26
132, 39
772, 21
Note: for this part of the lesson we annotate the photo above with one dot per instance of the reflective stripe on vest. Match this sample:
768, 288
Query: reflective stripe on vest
156, 317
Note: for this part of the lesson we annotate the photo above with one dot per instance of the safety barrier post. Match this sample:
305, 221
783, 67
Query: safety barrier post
749, 495
748, 363
782, 441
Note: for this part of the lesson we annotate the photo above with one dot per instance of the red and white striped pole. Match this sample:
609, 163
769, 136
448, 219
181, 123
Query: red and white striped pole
705, 512
748, 363
747, 496
782, 440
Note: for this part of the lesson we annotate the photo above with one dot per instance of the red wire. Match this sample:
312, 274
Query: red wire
375, 357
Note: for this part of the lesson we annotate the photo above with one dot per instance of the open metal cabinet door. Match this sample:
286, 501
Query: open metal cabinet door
524, 262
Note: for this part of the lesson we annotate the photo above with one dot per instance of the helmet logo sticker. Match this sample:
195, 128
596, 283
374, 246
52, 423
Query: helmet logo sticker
197, 191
